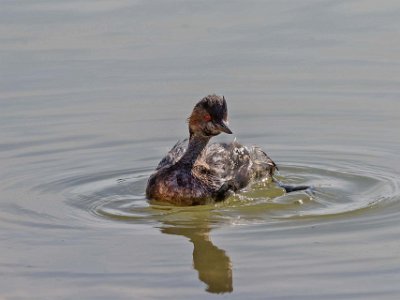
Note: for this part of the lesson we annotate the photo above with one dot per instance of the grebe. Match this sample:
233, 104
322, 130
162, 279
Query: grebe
194, 172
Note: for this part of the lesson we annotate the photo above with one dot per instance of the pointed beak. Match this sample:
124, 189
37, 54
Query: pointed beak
223, 126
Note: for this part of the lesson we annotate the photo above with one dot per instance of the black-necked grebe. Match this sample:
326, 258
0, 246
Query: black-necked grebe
194, 172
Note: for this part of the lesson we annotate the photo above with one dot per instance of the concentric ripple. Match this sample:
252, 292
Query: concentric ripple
345, 187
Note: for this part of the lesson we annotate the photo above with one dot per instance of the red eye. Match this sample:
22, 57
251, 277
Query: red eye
207, 118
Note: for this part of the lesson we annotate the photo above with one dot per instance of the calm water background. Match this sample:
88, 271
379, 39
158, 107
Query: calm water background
93, 93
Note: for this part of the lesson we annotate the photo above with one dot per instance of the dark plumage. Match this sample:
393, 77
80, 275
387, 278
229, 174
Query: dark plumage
194, 172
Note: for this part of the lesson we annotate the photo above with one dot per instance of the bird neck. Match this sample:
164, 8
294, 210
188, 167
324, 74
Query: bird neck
197, 143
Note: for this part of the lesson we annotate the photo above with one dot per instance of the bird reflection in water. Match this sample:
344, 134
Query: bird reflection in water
212, 264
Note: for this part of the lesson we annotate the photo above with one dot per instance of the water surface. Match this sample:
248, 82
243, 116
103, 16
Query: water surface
93, 94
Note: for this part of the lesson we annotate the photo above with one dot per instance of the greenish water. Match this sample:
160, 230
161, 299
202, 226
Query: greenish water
93, 94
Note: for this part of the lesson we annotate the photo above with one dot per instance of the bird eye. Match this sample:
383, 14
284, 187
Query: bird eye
207, 118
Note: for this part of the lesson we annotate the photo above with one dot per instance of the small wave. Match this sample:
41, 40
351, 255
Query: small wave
347, 187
